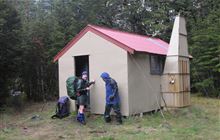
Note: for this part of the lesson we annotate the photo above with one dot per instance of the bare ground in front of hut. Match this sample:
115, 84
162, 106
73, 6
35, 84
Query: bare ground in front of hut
199, 121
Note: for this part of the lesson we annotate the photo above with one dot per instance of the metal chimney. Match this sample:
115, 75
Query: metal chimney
175, 80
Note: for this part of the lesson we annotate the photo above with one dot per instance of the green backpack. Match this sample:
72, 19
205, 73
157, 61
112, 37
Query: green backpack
71, 84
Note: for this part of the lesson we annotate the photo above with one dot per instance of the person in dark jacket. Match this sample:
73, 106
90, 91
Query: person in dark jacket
83, 86
112, 98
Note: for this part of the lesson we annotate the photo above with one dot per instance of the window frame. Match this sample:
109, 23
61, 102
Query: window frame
160, 60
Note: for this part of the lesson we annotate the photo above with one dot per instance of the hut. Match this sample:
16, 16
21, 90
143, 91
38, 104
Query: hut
135, 61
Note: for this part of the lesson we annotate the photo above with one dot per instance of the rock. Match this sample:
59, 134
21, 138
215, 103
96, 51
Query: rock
36, 117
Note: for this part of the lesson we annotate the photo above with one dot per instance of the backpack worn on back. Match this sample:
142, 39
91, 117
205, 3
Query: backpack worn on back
71, 84
62, 108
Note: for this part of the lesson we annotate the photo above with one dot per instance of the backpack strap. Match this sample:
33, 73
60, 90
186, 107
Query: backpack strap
57, 112
54, 116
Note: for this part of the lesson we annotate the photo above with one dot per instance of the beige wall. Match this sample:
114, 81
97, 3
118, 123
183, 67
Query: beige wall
144, 88
104, 56
66, 69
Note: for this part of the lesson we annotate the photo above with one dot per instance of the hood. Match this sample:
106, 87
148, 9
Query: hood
105, 75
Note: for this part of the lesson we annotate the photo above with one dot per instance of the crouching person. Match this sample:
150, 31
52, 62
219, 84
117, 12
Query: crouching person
112, 98
83, 86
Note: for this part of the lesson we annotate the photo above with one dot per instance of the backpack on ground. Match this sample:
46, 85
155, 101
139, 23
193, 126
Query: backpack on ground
62, 108
71, 84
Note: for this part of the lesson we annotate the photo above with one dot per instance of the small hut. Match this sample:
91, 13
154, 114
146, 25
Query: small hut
136, 62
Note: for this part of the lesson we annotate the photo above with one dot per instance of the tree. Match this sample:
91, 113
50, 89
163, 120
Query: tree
32, 33
9, 50
205, 48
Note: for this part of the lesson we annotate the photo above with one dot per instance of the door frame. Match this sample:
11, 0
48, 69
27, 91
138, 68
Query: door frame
88, 71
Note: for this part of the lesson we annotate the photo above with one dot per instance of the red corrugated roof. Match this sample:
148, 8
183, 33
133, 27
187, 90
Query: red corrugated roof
128, 41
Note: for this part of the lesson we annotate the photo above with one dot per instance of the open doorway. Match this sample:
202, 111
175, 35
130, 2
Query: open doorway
82, 64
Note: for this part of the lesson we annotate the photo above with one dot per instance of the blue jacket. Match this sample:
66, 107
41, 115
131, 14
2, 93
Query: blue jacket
111, 89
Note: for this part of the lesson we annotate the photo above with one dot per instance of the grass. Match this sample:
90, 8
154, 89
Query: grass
201, 120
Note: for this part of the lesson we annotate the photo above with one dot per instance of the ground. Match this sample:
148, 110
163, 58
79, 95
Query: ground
201, 120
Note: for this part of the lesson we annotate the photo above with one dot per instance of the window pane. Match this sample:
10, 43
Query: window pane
156, 64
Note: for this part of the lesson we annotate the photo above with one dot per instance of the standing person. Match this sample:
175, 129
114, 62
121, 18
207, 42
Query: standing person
112, 98
83, 86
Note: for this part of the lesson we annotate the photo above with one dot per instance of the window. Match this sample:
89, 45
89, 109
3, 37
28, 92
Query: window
156, 64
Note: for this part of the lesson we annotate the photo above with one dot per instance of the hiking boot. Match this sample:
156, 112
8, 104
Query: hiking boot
107, 118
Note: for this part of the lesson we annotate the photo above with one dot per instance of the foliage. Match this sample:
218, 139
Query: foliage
205, 48
9, 49
33, 31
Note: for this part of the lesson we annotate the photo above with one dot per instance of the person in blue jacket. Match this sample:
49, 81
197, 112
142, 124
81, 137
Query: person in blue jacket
112, 98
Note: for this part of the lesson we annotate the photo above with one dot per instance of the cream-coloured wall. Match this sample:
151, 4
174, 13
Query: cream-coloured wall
66, 69
144, 88
104, 56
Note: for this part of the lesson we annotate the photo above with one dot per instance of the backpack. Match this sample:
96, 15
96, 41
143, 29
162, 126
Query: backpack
71, 84
62, 108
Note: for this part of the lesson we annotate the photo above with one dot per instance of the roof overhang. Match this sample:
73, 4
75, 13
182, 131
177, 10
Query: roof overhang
93, 30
